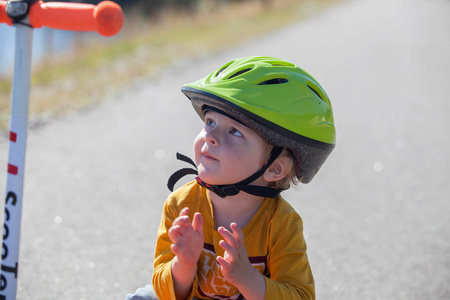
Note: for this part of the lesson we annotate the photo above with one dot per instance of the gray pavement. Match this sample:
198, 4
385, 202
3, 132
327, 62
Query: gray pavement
376, 216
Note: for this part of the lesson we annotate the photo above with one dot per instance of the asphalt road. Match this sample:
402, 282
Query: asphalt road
376, 216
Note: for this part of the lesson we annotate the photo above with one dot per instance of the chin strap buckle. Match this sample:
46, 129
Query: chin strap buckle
221, 190
226, 190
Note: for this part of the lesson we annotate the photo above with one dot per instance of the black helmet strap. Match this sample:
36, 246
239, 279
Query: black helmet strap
231, 189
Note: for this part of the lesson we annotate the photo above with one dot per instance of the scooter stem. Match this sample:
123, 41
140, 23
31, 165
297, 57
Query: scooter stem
20, 96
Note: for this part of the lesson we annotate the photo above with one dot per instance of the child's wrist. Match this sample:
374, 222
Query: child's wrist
253, 284
183, 276
183, 265
246, 278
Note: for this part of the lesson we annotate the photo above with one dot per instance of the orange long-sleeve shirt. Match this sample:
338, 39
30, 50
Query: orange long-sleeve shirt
273, 239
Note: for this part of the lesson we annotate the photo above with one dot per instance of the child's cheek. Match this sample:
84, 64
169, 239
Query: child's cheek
198, 144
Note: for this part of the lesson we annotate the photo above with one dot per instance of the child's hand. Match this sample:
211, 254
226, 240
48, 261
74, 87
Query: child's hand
235, 265
187, 238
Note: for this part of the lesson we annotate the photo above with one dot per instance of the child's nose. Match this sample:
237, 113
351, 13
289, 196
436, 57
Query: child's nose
211, 137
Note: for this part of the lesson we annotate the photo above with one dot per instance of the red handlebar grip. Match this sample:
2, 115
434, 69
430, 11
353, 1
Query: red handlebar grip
106, 18
66, 16
3, 16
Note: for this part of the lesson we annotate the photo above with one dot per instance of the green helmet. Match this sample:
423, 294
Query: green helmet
284, 104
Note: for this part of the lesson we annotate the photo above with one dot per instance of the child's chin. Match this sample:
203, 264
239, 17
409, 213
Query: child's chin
209, 178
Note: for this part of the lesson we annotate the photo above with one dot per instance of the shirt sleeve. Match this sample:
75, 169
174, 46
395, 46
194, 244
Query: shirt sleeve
290, 275
162, 274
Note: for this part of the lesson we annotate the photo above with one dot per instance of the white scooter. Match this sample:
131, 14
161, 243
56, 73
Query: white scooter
107, 19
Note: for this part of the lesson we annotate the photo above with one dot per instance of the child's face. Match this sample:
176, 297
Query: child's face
227, 151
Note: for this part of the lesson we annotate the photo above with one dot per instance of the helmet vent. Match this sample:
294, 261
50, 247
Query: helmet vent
223, 68
239, 73
274, 81
282, 64
315, 92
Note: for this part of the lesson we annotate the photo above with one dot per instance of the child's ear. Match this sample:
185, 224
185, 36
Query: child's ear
278, 169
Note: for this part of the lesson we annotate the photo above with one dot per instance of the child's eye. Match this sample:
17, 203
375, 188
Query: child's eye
235, 132
209, 122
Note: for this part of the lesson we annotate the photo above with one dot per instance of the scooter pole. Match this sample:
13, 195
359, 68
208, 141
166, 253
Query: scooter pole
107, 19
20, 94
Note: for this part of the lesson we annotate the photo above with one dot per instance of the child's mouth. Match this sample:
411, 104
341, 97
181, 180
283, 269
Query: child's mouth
208, 157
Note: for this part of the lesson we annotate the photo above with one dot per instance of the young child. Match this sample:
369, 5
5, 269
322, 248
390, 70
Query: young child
230, 234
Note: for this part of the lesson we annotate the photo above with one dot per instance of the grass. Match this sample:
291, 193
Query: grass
84, 78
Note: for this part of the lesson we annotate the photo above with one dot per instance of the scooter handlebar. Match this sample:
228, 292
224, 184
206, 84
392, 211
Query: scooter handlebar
3, 16
106, 17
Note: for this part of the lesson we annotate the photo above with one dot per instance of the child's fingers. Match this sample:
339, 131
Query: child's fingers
175, 229
224, 264
182, 221
175, 249
237, 232
175, 233
230, 251
228, 236
184, 211
197, 223
183, 217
